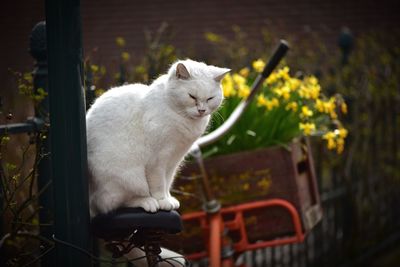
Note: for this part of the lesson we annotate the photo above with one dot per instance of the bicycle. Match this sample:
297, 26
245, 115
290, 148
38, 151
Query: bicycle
127, 228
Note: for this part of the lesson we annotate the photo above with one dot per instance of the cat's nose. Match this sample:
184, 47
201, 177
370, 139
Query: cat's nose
201, 111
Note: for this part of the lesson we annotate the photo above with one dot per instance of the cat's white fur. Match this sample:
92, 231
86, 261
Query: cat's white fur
137, 135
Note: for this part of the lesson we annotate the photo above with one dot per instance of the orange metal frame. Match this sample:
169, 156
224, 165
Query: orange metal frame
213, 226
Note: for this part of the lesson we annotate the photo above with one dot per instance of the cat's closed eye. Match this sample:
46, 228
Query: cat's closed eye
210, 98
193, 97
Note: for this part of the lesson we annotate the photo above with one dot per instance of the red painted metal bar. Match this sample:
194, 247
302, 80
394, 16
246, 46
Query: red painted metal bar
216, 228
238, 224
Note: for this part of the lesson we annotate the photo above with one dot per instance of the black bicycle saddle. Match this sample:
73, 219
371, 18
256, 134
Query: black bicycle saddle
123, 222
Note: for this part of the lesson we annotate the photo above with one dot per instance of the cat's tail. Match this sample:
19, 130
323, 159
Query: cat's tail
169, 258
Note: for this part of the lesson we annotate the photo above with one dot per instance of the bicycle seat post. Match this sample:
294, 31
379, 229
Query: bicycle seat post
212, 205
152, 246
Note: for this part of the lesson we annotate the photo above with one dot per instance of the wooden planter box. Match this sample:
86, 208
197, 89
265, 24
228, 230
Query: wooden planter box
267, 173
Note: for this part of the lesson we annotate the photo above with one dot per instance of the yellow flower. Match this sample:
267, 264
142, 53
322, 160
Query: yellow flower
264, 183
339, 145
284, 73
343, 132
270, 104
330, 138
246, 186
319, 105
307, 128
294, 84
5, 140
271, 79
243, 90
125, 56
343, 108
28, 77
238, 79
310, 89
244, 72
304, 92
306, 112
329, 135
94, 68
227, 85
258, 65
120, 41
283, 92
314, 91
329, 106
312, 79
261, 100
293, 106
212, 37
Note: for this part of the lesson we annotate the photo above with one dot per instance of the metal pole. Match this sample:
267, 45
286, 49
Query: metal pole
38, 50
68, 132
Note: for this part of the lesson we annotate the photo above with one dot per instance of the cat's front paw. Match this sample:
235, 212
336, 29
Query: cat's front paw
175, 203
149, 204
168, 203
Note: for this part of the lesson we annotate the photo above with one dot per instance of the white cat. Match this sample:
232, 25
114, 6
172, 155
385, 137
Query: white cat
137, 135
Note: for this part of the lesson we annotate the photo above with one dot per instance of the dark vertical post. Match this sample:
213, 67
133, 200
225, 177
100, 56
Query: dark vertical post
68, 131
38, 50
346, 44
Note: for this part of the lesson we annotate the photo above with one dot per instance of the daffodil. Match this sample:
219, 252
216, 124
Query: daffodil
272, 78
238, 79
125, 56
319, 105
212, 37
307, 128
312, 80
94, 68
329, 106
342, 132
243, 90
284, 73
283, 92
261, 100
244, 72
274, 102
293, 106
330, 138
304, 92
343, 108
264, 183
294, 84
120, 41
227, 86
339, 145
258, 65
306, 112
314, 91
268, 103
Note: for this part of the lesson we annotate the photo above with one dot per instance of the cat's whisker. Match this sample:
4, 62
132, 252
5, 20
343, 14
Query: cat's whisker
217, 113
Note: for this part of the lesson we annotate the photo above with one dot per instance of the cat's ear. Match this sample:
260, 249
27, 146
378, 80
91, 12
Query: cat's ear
220, 73
182, 72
